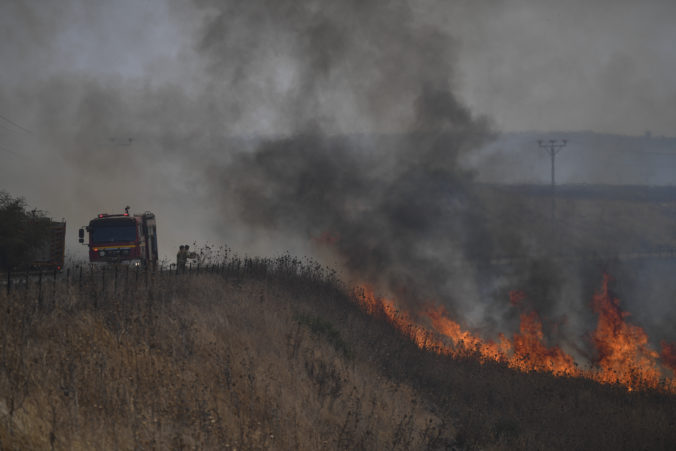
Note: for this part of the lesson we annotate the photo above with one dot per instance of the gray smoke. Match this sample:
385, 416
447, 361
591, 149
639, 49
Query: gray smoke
395, 209
333, 129
398, 207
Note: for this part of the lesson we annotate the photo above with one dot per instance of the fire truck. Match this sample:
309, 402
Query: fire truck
122, 238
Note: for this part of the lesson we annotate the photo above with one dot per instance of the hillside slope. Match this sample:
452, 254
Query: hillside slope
274, 355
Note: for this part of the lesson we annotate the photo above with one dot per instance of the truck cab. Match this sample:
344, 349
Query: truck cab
122, 238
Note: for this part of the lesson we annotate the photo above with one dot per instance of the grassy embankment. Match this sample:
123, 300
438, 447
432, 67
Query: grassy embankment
274, 355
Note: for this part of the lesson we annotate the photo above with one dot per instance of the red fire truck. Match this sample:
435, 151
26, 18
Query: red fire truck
122, 238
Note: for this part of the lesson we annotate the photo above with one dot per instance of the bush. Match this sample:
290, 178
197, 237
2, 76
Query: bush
22, 231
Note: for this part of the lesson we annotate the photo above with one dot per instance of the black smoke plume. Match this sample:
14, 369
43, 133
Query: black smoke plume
325, 128
397, 206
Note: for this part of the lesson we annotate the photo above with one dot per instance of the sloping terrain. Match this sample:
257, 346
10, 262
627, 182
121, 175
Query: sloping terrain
264, 354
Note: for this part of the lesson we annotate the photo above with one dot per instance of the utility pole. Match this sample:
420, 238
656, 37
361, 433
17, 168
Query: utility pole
553, 146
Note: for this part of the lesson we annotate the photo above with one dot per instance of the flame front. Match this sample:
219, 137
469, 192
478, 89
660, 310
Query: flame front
623, 352
624, 355
531, 354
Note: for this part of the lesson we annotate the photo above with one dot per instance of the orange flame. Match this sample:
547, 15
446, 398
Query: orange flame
465, 342
399, 319
623, 353
531, 354
624, 356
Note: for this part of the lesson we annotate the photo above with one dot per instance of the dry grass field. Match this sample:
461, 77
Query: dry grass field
274, 354
603, 220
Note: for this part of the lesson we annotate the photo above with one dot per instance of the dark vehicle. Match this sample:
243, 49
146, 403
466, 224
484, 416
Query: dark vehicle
46, 252
122, 238
51, 254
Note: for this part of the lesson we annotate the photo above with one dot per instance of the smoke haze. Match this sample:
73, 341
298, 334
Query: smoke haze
340, 130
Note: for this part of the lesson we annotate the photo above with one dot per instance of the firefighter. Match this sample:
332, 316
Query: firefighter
181, 258
191, 255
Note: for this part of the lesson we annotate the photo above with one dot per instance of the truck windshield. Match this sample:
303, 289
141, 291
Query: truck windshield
112, 231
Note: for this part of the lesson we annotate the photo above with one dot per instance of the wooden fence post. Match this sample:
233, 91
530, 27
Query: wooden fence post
92, 284
40, 289
103, 283
54, 289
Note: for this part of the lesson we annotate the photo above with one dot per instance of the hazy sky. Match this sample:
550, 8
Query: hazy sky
528, 64
160, 105
606, 66
177, 76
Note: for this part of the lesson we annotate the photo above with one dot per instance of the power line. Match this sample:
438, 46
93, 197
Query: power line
122, 143
16, 125
9, 151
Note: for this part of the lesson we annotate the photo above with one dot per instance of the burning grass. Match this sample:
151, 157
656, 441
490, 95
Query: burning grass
624, 356
274, 354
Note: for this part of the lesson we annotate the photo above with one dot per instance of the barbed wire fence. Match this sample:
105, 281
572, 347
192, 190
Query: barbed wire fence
81, 284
